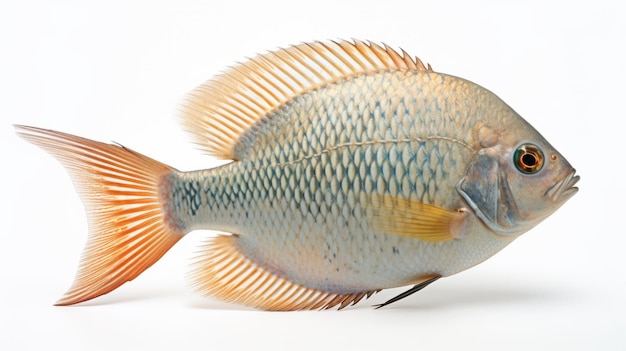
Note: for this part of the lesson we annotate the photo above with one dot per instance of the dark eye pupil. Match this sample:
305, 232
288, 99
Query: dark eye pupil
529, 160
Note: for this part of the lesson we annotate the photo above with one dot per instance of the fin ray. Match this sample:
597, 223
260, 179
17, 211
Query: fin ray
403, 217
219, 111
120, 189
222, 271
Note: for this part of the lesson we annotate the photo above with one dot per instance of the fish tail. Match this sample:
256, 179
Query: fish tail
124, 197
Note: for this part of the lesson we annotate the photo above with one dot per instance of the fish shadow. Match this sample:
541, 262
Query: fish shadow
441, 296
206, 303
476, 295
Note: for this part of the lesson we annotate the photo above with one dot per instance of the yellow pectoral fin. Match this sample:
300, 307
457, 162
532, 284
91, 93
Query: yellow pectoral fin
413, 219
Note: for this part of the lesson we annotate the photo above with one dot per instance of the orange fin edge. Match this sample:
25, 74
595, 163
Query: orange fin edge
121, 191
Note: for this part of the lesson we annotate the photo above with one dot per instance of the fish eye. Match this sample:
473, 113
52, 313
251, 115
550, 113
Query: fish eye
528, 159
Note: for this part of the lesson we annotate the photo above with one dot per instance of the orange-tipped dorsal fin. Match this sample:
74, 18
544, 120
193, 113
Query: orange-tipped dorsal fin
224, 272
121, 191
218, 112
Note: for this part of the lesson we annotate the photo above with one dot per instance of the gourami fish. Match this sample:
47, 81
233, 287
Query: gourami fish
355, 168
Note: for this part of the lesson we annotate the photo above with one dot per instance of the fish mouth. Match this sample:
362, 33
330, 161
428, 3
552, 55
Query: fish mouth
564, 188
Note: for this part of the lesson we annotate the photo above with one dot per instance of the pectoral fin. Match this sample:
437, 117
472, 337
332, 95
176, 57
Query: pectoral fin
399, 216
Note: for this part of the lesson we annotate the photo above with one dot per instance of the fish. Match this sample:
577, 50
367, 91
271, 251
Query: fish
354, 167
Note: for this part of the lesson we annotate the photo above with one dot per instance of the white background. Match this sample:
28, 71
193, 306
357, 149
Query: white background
116, 71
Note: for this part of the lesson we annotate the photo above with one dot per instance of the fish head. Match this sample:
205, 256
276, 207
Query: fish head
516, 178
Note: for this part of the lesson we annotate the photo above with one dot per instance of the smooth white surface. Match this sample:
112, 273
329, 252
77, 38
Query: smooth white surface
116, 71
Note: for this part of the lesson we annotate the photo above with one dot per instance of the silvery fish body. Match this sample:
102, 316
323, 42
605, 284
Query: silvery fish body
355, 169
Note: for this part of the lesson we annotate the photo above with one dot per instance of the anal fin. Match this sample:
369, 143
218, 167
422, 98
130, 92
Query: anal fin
224, 272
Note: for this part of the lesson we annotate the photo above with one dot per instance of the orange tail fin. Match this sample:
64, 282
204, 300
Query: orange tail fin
121, 190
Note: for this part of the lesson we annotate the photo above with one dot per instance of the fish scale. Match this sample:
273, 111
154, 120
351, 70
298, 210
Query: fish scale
355, 168
362, 153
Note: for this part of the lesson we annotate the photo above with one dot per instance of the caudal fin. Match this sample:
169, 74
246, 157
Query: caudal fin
122, 193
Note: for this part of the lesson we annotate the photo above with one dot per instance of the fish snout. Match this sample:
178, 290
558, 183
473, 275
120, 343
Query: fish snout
564, 188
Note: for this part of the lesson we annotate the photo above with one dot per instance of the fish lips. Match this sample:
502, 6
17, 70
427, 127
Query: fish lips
564, 189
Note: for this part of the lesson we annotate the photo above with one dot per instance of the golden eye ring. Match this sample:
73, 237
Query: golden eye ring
528, 159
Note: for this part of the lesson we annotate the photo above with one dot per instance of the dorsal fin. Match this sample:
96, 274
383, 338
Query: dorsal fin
219, 111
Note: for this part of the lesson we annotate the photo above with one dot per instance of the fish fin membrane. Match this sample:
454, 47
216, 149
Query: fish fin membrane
224, 272
413, 219
128, 228
219, 111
